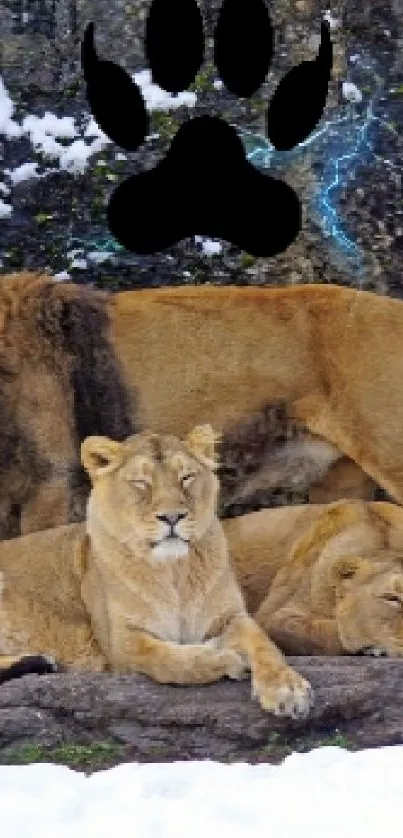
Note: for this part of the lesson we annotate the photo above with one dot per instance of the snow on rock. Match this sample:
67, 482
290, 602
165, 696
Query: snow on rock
41, 127
45, 132
100, 256
62, 276
24, 172
158, 99
351, 92
208, 246
8, 126
5, 209
81, 264
333, 22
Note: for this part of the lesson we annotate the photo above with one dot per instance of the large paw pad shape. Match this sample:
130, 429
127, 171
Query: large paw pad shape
205, 185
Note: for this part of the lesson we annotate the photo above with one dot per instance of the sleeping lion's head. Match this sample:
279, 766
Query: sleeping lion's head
156, 494
369, 602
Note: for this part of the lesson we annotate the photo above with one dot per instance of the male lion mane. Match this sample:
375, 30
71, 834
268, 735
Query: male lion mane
59, 382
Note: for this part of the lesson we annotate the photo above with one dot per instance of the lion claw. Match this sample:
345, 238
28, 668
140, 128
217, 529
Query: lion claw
237, 669
293, 697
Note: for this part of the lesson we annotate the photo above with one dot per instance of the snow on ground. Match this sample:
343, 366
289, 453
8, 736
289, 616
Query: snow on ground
326, 793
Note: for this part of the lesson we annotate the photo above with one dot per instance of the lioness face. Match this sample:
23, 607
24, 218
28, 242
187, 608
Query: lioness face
370, 604
157, 494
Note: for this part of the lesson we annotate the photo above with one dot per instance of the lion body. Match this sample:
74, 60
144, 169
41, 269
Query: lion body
331, 355
323, 579
146, 583
59, 382
288, 562
334, 355
41, 605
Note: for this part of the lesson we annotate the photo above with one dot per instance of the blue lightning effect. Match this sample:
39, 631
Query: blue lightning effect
339, 148
342, 145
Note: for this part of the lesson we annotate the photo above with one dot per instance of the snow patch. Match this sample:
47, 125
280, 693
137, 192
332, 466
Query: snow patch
5, 209
99, 256
24, 172
157, 99
209, 246
62, 276
47, 133
333, 793
351, 92
334, 22
8, 126
81, 264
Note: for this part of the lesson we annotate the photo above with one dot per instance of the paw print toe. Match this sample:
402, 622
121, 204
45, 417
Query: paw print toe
115, 100
205, 185
299, 100
243, 45
174, 43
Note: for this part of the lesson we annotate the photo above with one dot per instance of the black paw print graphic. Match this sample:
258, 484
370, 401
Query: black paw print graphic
222, 195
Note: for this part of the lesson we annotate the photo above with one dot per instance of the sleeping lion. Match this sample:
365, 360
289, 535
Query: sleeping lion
324, 579
145, 584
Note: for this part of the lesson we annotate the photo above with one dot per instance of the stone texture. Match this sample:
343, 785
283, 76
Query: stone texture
357, 700
41, 38
40, 65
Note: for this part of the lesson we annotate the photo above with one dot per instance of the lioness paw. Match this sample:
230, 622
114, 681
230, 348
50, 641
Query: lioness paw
375, 651
235, 665
286, 695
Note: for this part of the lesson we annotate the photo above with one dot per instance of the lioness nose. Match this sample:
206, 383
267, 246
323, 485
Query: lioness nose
171, 518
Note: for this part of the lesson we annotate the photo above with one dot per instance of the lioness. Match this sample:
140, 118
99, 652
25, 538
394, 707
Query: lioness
222, 354
151, 588
324, 579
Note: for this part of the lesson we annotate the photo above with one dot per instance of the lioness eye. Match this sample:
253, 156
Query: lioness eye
394, 599
187, 478
139, 484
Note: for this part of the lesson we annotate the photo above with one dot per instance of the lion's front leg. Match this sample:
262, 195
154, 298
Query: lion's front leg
298, 633
279, 688
172, 663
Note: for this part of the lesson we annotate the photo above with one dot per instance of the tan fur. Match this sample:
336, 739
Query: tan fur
333, 354
146, 584
323, 579
59, 382
344, 479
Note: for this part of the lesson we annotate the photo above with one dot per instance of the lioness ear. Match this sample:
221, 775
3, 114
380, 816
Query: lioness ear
99, 455
201, 441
